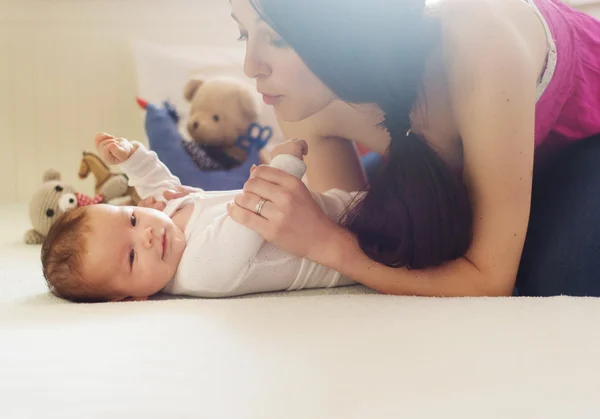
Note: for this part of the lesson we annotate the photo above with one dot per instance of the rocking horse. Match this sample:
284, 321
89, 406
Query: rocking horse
105, 178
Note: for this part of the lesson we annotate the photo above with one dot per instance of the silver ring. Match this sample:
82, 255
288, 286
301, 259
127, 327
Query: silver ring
260, 206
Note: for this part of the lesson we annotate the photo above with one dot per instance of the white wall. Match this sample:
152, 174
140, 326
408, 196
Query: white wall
592, 9
66, 72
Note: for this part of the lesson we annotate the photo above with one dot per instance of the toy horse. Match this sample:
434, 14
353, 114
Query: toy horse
104, 177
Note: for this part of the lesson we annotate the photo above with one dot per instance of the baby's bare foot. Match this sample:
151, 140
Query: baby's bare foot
295, 147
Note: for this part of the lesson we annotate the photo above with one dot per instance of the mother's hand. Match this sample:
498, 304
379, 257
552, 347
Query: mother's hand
290, 219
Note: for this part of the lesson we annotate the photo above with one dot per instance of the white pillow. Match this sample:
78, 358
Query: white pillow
162, 72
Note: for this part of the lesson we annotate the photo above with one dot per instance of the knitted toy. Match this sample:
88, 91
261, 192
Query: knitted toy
107, 182
53, 199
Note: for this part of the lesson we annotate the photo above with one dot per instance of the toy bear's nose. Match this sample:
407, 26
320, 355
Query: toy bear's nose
193, 127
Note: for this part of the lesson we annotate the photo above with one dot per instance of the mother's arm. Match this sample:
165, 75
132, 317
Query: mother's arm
493, 75
493, 84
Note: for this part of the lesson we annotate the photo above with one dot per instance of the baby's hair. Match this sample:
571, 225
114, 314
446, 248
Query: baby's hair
62, 260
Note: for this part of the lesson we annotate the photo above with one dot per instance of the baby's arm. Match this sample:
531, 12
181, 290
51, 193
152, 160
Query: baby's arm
148, 174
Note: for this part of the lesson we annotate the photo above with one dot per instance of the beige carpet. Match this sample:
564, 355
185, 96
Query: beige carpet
345, 354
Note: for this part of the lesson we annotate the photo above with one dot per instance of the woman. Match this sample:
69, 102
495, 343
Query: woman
461, 94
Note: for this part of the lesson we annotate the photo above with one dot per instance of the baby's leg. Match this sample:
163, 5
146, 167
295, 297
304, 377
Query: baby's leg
313, 275
275, 270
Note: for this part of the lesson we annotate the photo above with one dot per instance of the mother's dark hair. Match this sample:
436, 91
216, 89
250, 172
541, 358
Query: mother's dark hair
416, 212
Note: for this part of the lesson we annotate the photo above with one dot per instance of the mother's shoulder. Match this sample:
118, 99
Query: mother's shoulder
463, 14
446, 8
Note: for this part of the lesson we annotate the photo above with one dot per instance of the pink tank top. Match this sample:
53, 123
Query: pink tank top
568, 106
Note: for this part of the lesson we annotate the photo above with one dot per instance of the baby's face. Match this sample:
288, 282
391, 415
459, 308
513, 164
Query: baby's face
131, 251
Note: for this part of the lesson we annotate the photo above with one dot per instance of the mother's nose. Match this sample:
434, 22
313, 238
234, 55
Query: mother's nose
254, 65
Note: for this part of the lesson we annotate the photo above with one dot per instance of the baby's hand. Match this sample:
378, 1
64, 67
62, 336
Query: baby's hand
114, 150
152, 202
295, 147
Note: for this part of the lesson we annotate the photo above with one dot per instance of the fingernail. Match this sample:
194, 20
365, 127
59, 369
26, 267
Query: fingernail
253, 167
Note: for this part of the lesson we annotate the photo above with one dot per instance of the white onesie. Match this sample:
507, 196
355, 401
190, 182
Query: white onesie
223, 258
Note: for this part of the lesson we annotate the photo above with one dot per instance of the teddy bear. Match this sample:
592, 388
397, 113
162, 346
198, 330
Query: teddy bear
166, 140
55, 197
221, 111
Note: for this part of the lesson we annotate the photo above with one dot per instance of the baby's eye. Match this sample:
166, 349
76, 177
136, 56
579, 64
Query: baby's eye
131, 257
133, 220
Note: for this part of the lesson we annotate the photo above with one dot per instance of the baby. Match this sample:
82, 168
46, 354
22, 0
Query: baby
109, 253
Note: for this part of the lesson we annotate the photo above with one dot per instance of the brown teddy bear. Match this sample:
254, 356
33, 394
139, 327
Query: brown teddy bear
221, 111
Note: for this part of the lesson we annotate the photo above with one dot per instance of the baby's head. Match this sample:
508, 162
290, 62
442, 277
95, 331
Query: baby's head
110, 253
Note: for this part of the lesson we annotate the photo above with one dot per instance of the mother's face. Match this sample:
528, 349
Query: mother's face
281, 76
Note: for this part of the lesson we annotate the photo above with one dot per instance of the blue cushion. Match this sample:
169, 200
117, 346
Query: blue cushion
371, 162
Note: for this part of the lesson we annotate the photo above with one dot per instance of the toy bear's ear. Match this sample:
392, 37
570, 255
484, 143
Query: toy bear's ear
51, 174
248, 106
33, 237
190, 89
